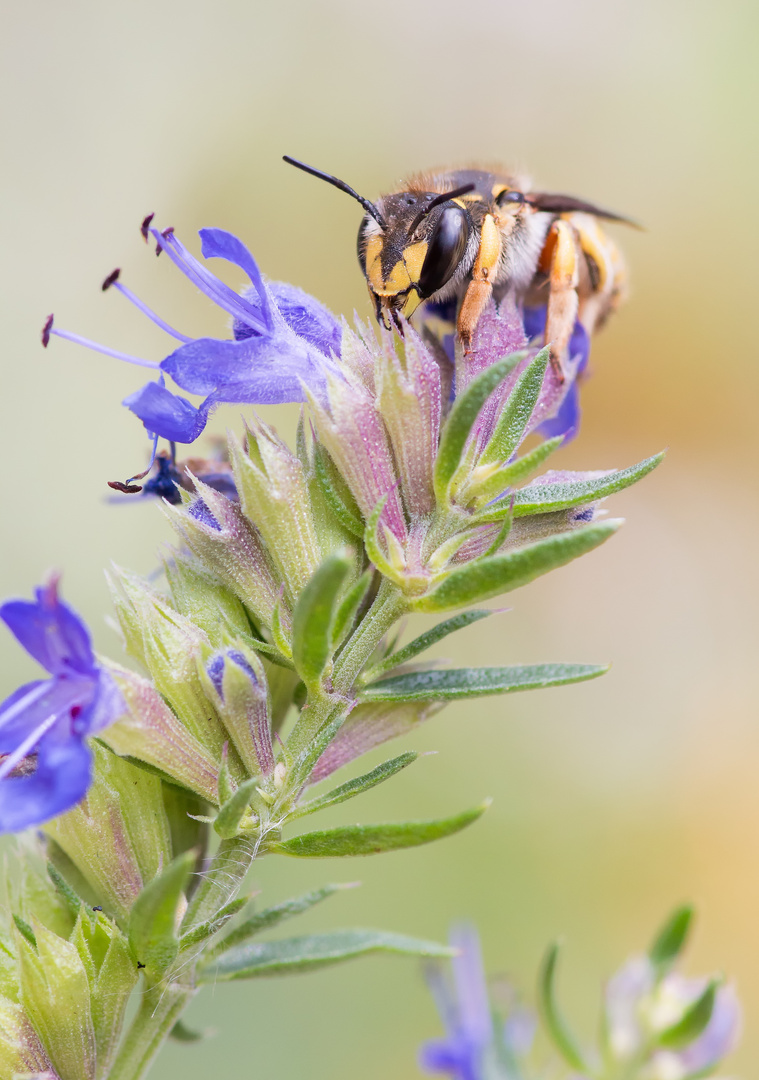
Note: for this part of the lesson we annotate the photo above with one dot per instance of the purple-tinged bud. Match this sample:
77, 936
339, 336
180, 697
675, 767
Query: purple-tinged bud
369, 726
408, 398
118, 836
357, 354
152, 733
202, 598
230, 548
273, 490
21, 1052
351, 429
236, 682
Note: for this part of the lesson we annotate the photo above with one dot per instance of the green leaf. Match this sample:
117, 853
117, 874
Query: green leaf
152, 937
212, 926
227, 822
671, 939
426, 640
70, 898
25, 930
273, 916
374, 839
313, 951
348, 608
693, 1021
516, 414
565, 494
313, 618
495, 484
372, 544
336, 492
357, 786
447, 685
558, 1029
466, 408
500, 573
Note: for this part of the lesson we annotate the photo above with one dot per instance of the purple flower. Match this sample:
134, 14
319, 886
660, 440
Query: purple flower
45, 764
283, 340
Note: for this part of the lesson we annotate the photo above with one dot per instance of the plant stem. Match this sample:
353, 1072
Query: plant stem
160, 1009
221, 881
386, 609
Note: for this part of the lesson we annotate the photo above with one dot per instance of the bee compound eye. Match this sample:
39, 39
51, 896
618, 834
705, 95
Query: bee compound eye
445, 251
507, 197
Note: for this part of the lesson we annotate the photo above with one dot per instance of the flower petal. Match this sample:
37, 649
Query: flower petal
168, 415
220, 244
306, 317
61, 778
50, 632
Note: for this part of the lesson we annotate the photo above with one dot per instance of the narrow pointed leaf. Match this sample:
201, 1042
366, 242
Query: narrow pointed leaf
357, 786
313, 617
693, 1022
564, 494
465, 410
512, 474
374, 839
348, 607
516, 414
313, 951
447, 685
212, 926
26, 931
427, 640
671, 939
152, 921
372, 544
562, 1037
336, 492
227, 821
273, 916
509, 570
69, 896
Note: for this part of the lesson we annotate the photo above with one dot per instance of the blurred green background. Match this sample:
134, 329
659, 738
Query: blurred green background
614, 800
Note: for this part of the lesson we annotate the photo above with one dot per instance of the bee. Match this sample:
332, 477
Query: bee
465, 235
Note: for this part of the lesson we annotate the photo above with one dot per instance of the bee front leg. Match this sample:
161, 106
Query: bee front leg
563, 278
481, 286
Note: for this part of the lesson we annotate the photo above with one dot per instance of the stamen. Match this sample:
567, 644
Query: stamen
46, 331
113, 279
208, 283
79, 340
23, 749
145, 227
139, 476
129, 487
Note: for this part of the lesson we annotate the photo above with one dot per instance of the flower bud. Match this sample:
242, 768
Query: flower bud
21, 1051
118, 836
204, 600
274, 497
235, 680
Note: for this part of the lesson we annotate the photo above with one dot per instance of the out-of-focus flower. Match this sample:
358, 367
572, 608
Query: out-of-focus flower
474, 1047
283, 340
45, 763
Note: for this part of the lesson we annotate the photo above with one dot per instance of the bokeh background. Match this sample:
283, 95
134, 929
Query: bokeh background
613, 800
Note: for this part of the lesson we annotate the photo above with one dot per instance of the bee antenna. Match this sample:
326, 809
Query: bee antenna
445, 197
341, 185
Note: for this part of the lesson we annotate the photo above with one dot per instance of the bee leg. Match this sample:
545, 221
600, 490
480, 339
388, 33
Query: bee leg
481, 286
563, 278
605, 284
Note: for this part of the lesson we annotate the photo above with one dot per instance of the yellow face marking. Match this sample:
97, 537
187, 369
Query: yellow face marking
498, 189
402, 276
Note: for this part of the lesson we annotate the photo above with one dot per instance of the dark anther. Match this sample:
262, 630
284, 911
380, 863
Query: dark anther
341, 186
445, 197
145, 227
113, 276
128, 489
46, 331
140, 965
97, 907
164, 234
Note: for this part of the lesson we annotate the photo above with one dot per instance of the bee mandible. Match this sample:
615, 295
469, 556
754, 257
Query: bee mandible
468, 234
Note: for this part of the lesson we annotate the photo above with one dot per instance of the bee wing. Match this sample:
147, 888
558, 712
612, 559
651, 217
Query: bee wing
565, 204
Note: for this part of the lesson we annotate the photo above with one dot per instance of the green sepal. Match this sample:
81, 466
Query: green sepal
153, 918
336, 492
311, 952
562, 1037
278, 631
515, 416
229, 821
273, 916
501, 536
350, 840
494, 485
426, 640
693, 1021
465, 410
482, 579
447, 685
671, 938
212, 926
307, 758
356, 786
566, 494
348, 608
314, 616
25, 930
373, 548
183, 1034
225, 787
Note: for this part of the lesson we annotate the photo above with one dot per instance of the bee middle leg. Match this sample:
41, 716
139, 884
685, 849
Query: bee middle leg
561, 255
480, 288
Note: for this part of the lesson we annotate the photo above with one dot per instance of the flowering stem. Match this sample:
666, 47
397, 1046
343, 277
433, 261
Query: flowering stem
160, 1009
221, 881
388, 606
